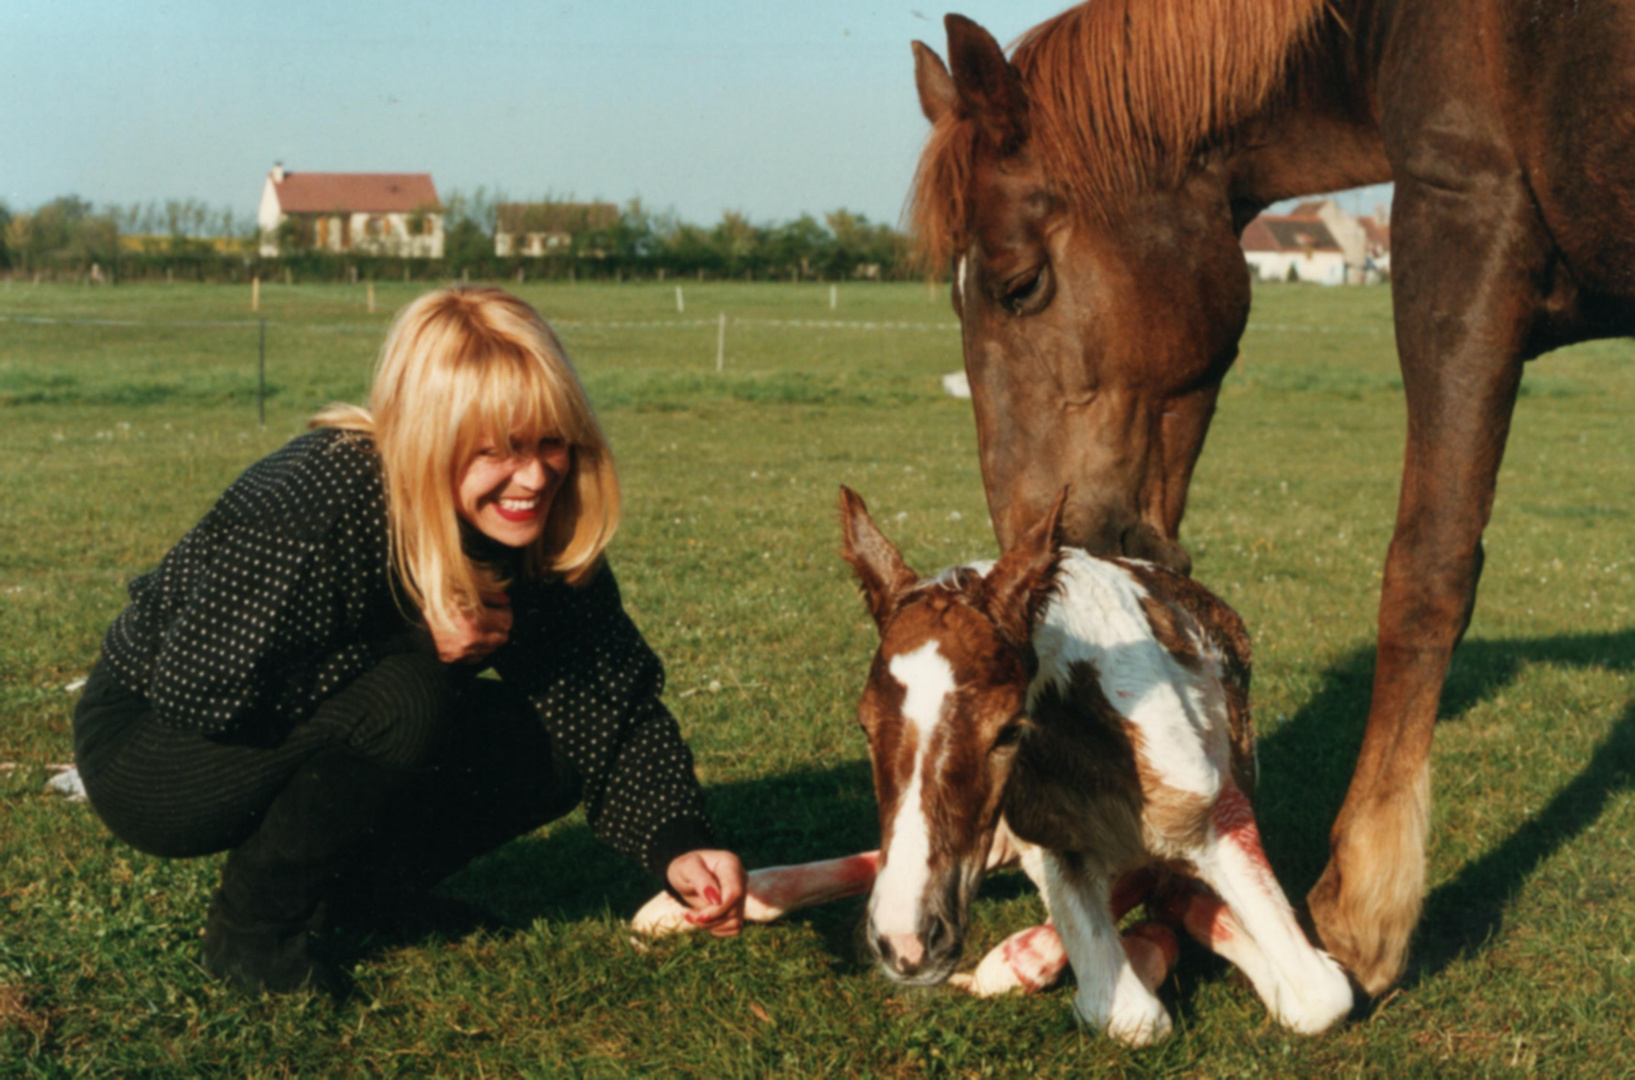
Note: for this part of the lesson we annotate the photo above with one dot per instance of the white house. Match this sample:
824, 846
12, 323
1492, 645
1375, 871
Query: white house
366, 213
533, 230
1320, 242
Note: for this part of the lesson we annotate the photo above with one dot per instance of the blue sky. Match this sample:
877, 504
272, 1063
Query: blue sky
767, 107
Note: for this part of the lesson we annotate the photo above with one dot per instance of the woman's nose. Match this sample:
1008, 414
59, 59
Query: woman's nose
531, 472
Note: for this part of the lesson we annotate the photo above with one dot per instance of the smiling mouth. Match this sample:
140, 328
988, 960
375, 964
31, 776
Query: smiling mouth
518, 510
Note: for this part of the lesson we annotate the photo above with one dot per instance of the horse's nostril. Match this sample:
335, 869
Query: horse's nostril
1142, 541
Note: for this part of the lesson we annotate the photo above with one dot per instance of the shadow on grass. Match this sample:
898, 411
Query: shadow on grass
564, 874
1306, 765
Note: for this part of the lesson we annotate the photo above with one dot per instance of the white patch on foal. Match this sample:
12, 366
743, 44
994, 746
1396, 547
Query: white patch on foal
1097, 616
959, 280
894, 911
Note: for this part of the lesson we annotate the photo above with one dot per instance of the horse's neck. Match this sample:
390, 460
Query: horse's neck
1321, 134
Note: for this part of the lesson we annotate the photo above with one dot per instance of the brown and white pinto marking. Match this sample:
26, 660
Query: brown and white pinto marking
1097, 710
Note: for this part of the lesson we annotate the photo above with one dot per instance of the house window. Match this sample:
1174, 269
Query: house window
323, 232
375, 227
346, 231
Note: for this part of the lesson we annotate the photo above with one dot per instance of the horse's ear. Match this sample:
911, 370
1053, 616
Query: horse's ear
990, 89
938, 98
1017, 588
876, 562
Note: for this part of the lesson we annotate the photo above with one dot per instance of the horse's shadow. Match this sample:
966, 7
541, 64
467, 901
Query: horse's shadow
564, 875
1306, 766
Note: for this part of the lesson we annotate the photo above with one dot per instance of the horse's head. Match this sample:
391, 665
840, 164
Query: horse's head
1097, 330
943, 710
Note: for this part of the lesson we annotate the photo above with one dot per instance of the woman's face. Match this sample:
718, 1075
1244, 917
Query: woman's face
506, 496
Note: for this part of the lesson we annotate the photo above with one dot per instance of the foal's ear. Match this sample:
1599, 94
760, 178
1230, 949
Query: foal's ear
938, 97
879, 568
990, 89
1017, 588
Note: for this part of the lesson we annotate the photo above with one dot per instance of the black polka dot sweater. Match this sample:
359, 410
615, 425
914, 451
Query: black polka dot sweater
282, 595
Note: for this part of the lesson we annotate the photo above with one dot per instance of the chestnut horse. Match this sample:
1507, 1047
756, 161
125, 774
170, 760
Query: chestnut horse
1089, 193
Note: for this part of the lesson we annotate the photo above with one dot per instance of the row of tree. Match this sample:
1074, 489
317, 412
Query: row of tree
69, 237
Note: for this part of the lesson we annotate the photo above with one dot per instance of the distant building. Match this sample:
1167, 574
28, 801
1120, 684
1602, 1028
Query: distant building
532, 230
1318, 242
366, 213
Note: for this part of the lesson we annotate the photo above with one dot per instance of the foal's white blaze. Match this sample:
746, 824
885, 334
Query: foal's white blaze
894, 911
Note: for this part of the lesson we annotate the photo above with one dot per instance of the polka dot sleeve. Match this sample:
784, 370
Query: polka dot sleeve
278, 598
585, 666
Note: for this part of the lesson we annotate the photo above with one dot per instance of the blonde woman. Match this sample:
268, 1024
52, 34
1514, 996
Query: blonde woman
295, 683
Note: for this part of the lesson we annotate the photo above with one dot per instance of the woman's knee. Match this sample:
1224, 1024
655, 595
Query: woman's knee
397, 713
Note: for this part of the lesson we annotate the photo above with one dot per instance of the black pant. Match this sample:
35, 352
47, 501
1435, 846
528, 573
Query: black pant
472, 765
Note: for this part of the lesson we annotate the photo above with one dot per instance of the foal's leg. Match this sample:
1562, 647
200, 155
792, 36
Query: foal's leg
1028, 960
1253, 926
1467, 260
1111, 995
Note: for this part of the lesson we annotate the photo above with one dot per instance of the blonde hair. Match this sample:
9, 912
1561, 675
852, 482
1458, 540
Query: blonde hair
462, 368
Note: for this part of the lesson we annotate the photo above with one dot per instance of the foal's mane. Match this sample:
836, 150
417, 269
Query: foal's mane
1121, 94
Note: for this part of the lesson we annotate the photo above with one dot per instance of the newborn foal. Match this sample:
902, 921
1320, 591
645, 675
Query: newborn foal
1098, 710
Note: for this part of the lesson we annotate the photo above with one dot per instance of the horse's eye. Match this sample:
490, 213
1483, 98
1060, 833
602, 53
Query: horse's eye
1026, 292
1009, 735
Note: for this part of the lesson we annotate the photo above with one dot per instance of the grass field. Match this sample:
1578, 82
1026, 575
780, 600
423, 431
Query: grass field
121, 421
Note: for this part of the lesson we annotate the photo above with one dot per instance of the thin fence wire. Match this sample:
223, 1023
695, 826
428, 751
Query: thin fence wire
631, 324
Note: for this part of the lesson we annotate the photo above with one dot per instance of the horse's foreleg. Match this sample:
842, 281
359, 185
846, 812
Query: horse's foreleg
1463, 285
1111, 995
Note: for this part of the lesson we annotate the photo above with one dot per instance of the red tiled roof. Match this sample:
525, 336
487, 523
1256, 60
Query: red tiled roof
1257, 237
1290, 233
376, 193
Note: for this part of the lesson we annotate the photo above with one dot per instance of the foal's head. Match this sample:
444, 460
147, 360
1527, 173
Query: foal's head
944, 711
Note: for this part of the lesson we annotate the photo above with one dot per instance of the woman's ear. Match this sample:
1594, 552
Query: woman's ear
879, 567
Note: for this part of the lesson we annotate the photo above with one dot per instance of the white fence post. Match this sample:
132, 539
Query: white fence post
721, 343
834, 297
681, 304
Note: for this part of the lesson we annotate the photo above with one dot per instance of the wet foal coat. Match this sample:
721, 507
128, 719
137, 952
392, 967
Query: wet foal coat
1098, 711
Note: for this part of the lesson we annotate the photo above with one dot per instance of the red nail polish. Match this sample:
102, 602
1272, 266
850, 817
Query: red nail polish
712, 894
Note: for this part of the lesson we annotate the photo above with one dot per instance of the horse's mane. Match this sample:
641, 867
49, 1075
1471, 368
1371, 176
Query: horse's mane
1121, 94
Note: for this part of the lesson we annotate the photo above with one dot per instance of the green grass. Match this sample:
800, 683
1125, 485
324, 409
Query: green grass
115, 438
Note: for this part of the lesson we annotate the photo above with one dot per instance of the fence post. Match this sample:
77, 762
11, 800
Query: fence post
261, 378
371, 296
255, 293
834, 297
721, 343
681, 305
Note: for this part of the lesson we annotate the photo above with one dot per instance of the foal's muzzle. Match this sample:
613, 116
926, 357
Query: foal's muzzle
923, 958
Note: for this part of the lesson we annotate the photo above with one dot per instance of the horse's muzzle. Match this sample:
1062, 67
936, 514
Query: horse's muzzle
1142, 541
923, 958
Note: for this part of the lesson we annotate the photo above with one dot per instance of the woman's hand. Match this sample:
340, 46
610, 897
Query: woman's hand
712, 884
472, 638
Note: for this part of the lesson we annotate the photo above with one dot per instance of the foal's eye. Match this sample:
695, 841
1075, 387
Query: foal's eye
1009, 735
1026, 292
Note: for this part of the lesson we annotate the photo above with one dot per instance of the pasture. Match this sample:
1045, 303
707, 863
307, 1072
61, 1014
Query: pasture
121, 421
